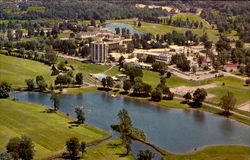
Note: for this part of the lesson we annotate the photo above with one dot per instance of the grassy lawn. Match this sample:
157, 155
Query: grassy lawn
111, 150
16, 70
49, 131
242, 95
215, 153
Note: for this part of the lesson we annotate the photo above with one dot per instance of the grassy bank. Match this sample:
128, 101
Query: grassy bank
111, 150
215, 153
49, 131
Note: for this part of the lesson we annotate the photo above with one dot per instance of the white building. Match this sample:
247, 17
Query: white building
158, 54
99, 52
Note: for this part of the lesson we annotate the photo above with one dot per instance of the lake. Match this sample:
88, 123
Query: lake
175, 130
112, 26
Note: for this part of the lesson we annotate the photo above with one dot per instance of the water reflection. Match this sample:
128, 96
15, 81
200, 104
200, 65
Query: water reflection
198, 116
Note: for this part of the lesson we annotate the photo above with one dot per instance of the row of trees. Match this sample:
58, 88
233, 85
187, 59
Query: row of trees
181, 23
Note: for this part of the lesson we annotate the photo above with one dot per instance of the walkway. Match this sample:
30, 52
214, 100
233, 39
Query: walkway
213, 106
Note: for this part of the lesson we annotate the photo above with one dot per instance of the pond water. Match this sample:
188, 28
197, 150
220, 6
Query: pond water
112, 26
174, 130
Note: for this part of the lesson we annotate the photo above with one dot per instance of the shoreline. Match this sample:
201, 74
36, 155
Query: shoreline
137, 98
163, 152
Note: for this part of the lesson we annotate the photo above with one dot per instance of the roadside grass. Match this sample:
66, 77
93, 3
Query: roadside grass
215, 153
111, 150
15, 70
49, 131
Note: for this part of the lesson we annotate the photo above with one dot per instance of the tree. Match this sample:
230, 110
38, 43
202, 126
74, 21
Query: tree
79, 78
10, 35
247, 82
110, 82
5, 89
63, 79
82, 147
156, 95
159, 66
104, 82
168, 75
92, 22
187, 96
228, 102
22, 148
80, 115
27, 149
199, 95
124, 127
30, 84
145, 155
121, 60
73, 146
127, 85
239, 44
41, 83
13, 147
56, 101
139, 24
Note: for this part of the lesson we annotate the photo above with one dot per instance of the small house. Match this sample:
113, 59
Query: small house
231, 67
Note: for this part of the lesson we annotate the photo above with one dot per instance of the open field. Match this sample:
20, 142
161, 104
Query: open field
16, 70
49, 131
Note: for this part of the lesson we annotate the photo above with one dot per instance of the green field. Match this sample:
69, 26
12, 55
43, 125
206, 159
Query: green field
15, 70
242, 95
49, 131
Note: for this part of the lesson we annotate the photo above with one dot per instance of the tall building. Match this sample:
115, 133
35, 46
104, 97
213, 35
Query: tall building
99, 52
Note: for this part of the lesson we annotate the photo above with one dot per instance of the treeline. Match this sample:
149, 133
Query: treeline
181, 23
149, 41
77, 9
230, 18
